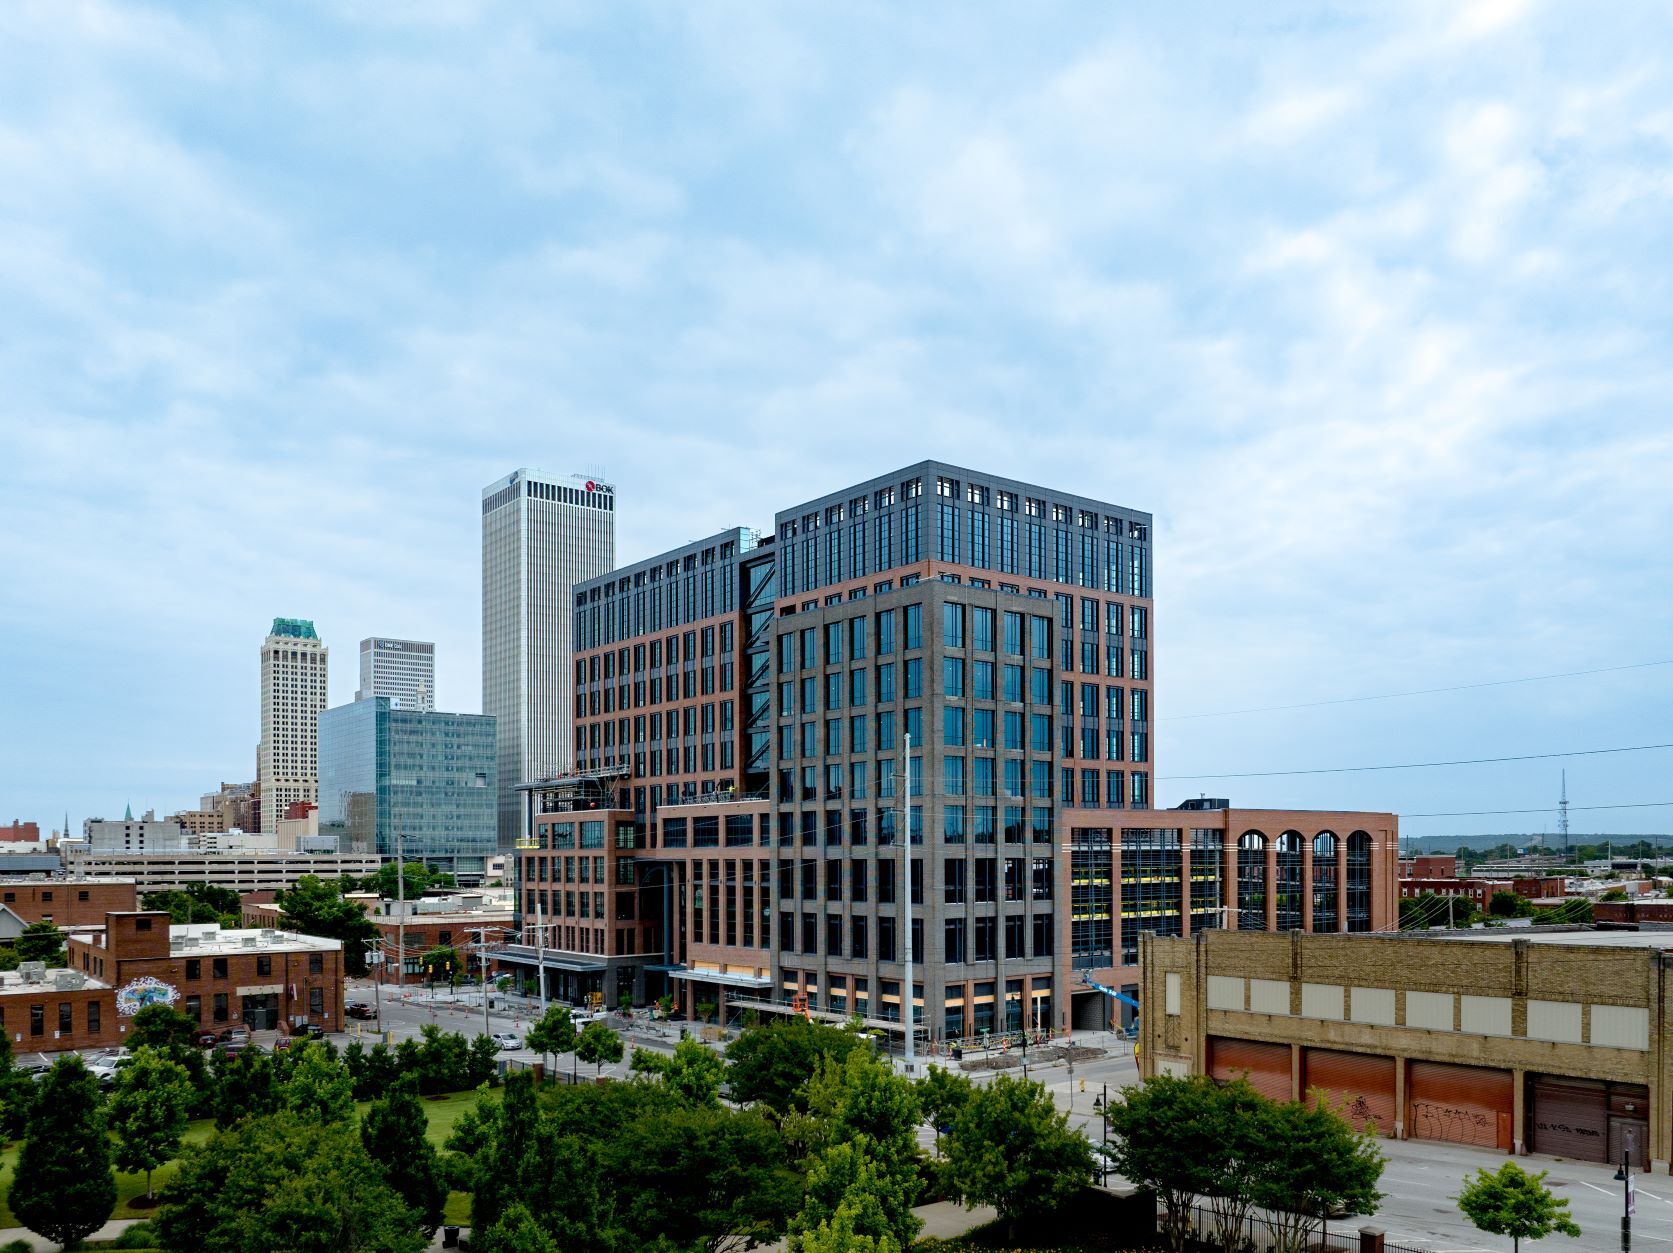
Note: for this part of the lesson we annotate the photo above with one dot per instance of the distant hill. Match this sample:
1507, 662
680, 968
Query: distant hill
1447, 843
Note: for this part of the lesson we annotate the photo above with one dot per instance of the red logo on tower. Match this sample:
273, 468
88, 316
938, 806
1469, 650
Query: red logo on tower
591, 486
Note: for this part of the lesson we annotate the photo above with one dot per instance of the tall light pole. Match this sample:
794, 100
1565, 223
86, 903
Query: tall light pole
904, 824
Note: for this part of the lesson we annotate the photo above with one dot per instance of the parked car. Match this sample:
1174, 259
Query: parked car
507, 1040
359, 1009
307, 1031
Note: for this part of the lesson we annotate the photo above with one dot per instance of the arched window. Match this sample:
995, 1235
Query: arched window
1251, 882
1289, 887
1359, 882
1325, 879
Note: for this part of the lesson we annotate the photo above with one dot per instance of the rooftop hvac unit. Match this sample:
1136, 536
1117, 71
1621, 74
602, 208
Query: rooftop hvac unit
32, 972
267, 933
67, 980
187, 941
250, 941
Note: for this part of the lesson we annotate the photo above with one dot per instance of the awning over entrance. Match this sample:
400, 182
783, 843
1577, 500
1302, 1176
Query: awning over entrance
549, 960
726, 978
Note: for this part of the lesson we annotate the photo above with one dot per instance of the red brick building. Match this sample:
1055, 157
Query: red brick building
266, 979
21, 832
431, 923
50, 1011
67, 902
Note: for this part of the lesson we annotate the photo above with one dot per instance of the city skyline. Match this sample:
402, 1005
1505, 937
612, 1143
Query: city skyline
1362, 308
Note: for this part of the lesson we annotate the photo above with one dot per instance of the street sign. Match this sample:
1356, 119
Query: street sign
1632, 1196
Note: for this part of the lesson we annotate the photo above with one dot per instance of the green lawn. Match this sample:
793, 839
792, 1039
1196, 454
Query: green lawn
442, 1113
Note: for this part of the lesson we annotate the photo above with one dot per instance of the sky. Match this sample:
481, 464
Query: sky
1369, 305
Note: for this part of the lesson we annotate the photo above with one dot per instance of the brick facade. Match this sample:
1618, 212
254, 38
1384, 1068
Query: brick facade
68, 902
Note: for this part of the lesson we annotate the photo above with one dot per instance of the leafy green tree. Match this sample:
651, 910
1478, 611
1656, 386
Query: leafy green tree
699, 1178
861, 1102
526, 1160
41, 942
1311, 1165
553, 1033
1513, 1202
284, 1182
772, 1062
1433, 909
17, 1093
315, 907
843, 1234
846, 1192
418, 879
1012, 1149
319, 1087
481, 1062
197, 902
598, 1044
64, 1189
515, 1232
942, 1093
395, 1134
245, 1087
161, 1027
695, 1072
148, 1112
1509, 905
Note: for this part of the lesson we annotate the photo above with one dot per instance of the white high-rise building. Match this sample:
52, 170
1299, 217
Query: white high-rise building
402, 670
293, 692
541, 535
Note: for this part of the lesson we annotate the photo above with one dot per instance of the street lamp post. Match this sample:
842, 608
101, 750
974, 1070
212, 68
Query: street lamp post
1628, 1196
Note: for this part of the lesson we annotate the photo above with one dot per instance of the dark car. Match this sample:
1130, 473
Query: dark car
308, 1031
358, 1009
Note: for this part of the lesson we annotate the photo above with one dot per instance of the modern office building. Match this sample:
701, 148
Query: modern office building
742, 826
541, 535
423, 782
402, 670
293, 694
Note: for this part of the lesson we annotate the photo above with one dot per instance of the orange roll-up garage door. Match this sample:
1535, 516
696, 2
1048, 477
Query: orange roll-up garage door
1459, 1104
1359, 1085
1268, 1065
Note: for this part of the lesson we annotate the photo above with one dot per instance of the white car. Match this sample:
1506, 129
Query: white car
507, 1040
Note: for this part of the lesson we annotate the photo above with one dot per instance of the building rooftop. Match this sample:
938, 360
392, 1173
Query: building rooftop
32, 978
191, 939
1578, 937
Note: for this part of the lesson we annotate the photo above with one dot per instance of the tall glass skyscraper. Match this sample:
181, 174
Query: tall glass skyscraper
428, 777
541, 535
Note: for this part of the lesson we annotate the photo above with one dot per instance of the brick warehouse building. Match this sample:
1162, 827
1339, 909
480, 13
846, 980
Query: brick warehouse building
74, 902
741, 712
1550, 1042
265, 979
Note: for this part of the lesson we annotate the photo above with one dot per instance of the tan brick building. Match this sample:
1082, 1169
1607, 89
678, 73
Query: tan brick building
1514, 1040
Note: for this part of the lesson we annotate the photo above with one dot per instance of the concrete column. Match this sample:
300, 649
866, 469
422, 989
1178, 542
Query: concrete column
1518, 1110
1271, 882
1399, 1098
1295, 1073
1306, 884
1370, 1240
1341, 881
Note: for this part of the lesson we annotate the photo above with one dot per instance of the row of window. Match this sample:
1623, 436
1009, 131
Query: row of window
964, 940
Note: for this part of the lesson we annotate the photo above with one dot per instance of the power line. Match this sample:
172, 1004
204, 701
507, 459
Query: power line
1414, 765
1544, 809
1422, 691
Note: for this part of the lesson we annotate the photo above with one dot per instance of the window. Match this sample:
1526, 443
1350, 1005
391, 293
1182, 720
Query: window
264, 965
37, 1020
194, 968
952, 725
218, 968
220, 1011
914, 626
914, 678
952, 625
316, 1002
953, 935
885, 632
316, 961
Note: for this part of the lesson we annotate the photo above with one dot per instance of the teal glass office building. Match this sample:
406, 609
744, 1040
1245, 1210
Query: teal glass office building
422, 780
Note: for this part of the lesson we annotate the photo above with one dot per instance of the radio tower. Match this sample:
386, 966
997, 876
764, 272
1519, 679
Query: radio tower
1562, 814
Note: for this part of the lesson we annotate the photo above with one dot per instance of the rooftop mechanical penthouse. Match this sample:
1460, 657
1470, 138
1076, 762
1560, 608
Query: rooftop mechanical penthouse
732, 829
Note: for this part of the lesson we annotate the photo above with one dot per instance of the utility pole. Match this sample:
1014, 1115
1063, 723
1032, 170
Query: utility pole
401, 915
540, 954
1562, 814
904, 824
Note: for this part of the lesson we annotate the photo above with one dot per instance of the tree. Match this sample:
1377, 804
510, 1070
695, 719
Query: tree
416, 877
17, 1093
1508, 905
695, 1071
64, 1189
772, 1062
1512, 1202
481, 1061
1433, 909
846, 1192
395, 1134
841, 1234
197, 902
598, 1044
148, 1112
1012, 1149
315, 907
284, 1182
554, 1033
1311, 1165
244, 1087
1162, 1138
942, 1093
41, 942
515, 1232
161, 1027
319, 1087
525, 1159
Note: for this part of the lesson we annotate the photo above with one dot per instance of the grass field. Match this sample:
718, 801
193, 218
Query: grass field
442, 1114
